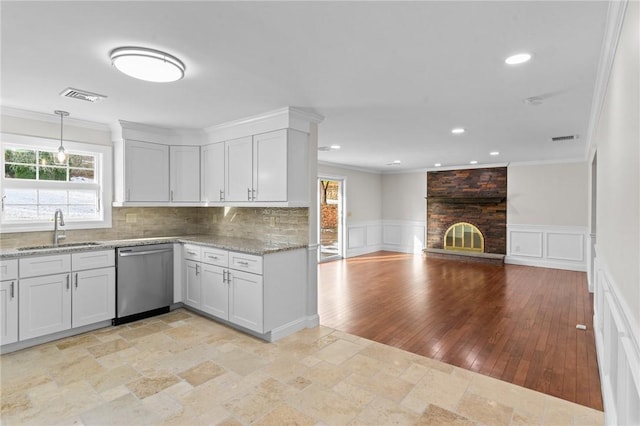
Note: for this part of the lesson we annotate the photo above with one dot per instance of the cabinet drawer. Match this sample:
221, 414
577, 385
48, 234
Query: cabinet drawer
44, 265
245, 262
93, 260
9, 269
191, 252
215, 256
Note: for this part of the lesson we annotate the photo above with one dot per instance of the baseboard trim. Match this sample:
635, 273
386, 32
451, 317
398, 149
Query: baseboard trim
542, 263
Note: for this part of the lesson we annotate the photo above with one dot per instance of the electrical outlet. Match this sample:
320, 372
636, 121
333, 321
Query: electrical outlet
131, 218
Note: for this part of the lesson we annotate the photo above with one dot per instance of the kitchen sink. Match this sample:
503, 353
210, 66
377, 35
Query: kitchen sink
68, 245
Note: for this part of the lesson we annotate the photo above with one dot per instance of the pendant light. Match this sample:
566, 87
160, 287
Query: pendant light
61, 155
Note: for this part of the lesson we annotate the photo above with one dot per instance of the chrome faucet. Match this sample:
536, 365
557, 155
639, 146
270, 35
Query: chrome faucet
56, 236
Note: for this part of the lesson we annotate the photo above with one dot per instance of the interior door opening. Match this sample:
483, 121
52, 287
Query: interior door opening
330, 223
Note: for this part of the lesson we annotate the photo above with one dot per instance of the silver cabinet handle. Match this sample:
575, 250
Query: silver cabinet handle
197, 268
253, 194
67, 281
76, 280
221, 195
213, 257
192, 253
228, 277
142, 253
243, 263
13, 294
224, 276
171, 195
249, 194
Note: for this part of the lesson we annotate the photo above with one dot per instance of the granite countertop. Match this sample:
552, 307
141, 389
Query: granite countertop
242, 245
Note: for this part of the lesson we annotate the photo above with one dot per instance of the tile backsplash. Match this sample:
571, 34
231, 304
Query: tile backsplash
264, 224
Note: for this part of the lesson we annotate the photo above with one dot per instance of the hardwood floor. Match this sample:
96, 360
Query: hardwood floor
514, 323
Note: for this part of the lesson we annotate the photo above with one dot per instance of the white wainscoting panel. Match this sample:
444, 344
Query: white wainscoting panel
403, 236
370, 236
559, 247
363, 237
617, 348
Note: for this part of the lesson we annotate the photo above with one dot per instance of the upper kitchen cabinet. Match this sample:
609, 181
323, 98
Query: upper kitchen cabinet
155, 166
184, 168
212, 173
239, 166
146, 171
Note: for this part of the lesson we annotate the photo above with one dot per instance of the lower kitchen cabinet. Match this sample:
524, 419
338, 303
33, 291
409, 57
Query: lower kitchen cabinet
8, 311
245, 300
94, 296
264, 294
193, 286
45, 305
215, 291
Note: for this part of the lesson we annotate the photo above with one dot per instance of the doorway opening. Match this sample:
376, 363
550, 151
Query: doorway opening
331, 218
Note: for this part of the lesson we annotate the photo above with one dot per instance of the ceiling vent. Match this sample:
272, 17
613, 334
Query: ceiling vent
567, 138
83, 95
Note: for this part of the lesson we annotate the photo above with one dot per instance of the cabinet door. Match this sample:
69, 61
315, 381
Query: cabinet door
193, 296
44, 305
8, 312
184, 166
215, 291
245, 300
239, 169
270, 166
213, 172
94, 296
146, 171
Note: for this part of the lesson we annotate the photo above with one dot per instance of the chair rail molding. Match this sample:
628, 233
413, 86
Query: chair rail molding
547, 246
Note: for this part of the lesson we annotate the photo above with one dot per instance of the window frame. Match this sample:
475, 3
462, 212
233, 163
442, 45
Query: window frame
103, 177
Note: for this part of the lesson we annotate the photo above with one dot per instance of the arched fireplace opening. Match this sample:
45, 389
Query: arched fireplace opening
464, 236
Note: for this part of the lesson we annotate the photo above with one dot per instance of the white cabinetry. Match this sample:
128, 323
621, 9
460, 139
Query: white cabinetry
264, 294
269, 168
213, 173
53, 297
146, 171
8, 301
239, 166
184, 173
94, 290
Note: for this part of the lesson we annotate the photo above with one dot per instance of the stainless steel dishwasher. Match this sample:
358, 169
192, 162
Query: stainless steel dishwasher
144, 285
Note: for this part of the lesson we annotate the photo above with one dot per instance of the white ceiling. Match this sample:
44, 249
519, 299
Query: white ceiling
391, 78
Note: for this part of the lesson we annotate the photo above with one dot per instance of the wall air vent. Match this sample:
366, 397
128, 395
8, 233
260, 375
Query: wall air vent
83, 95
567, 138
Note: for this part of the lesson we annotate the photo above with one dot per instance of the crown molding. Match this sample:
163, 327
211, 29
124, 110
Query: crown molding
51, 118
613, 28
349, 167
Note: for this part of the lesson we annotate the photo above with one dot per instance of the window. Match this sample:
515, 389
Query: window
34, 186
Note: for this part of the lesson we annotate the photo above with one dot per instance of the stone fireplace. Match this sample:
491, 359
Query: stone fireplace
467, 212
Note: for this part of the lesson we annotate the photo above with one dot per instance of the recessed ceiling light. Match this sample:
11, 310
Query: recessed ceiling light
335, 147
437, 164
494, 153
473, 162
147, 64
458, 131
516, 59
397, 161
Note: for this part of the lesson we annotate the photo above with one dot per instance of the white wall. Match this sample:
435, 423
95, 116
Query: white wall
364, 191
403, 196
548, 194
617, 263
547, 215
41, 125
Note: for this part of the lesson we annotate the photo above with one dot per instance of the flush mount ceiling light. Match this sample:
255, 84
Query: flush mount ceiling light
147, 64
458, 131
519, 58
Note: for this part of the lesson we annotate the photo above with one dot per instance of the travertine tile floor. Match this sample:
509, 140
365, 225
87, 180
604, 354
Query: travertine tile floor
183, 369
